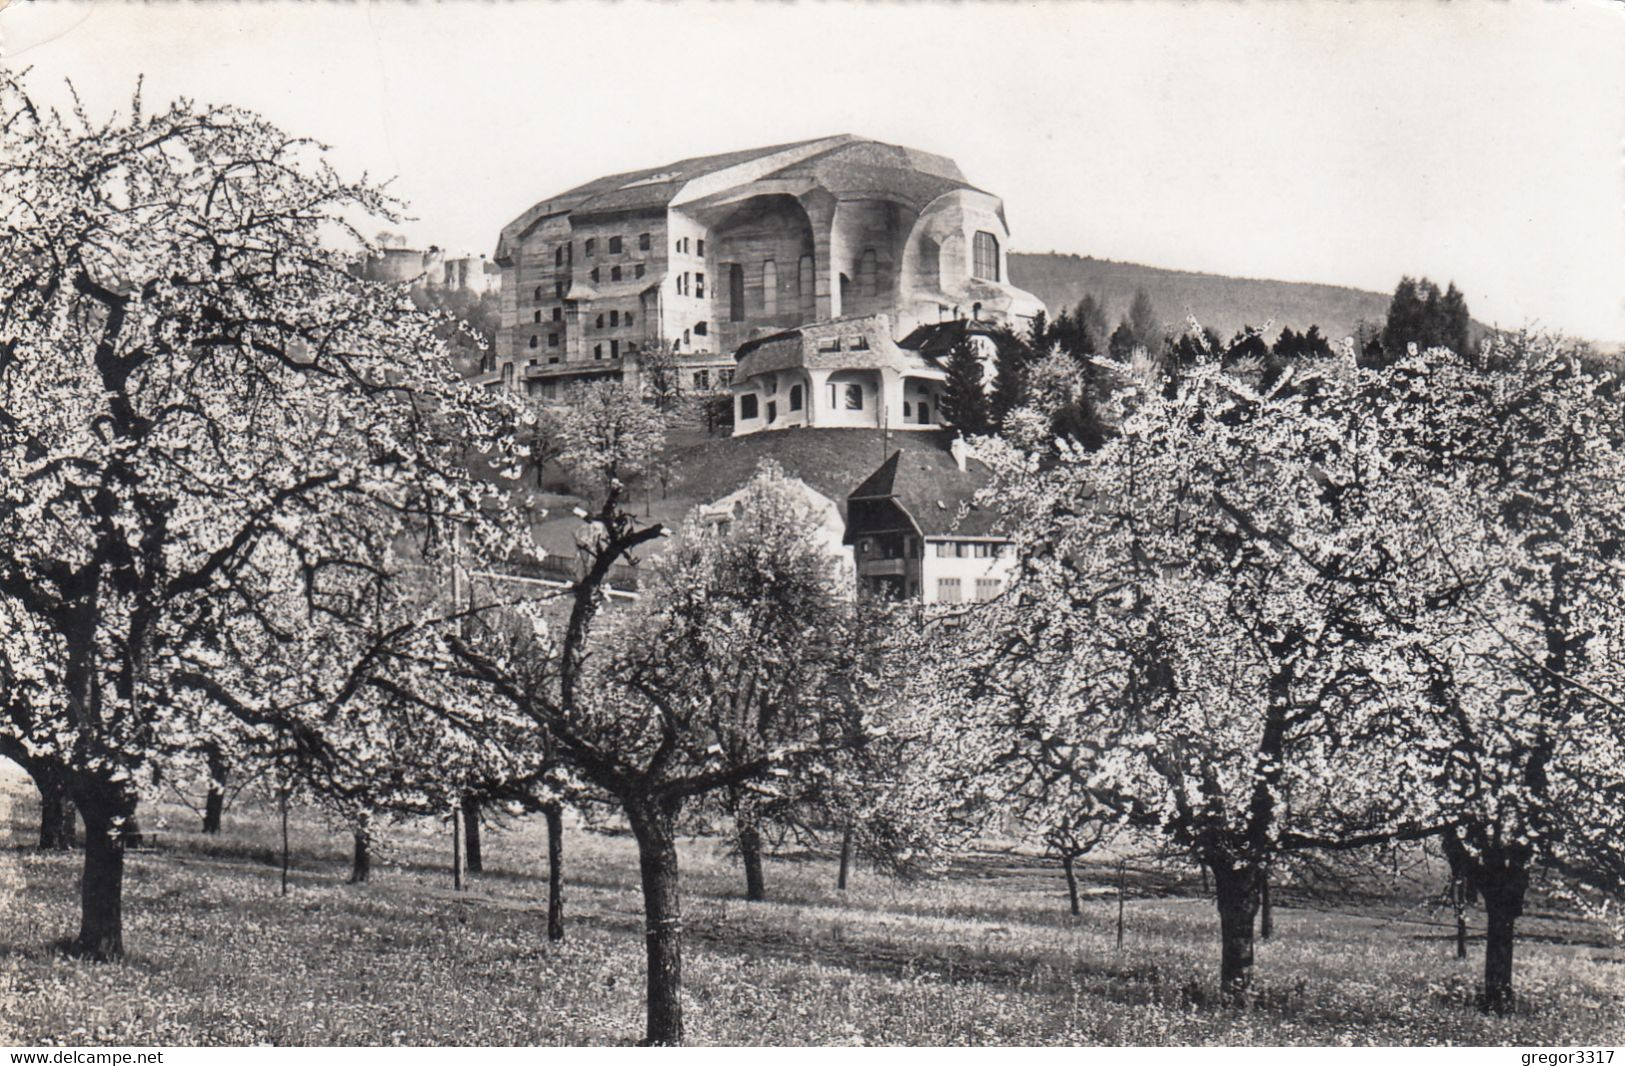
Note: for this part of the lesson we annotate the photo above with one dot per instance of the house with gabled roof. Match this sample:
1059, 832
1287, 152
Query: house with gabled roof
918, 533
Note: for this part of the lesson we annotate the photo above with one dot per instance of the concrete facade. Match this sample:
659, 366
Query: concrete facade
846, 373
706, 254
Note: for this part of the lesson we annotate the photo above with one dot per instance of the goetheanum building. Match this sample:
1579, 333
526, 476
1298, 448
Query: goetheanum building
706, 254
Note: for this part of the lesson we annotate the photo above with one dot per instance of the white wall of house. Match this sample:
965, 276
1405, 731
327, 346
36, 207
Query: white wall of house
967, 573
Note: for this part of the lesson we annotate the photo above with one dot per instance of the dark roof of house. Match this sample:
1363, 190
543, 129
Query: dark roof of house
830, 460
936, 494
935, 340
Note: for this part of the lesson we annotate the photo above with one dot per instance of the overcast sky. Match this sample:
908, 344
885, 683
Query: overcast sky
1335, 142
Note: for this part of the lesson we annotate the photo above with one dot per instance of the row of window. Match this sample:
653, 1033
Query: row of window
950, 590
589, 248
691, 285
970, 549
698, 245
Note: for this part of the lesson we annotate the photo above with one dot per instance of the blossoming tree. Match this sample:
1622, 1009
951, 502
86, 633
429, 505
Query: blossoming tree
217, 446
1197, 643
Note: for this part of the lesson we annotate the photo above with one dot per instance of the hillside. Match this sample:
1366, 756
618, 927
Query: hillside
832, 461
1221, 303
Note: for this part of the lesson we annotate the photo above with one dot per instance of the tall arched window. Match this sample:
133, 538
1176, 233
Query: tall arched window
805, 287
770, 289
736, 293
869, 273
986, 251
930, 270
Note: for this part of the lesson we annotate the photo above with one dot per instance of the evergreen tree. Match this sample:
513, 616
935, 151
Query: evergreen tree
1288, 345
1420, 314
1010, 371
1092, 327
964, 400
1121, 344
1247, 343
1314, 346
1038, 333
1142, 320
1455, 323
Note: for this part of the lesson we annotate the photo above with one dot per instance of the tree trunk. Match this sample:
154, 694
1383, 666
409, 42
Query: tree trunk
361, 859
554, 813
1069, 864
846, 859
101, 886
663, 921
471, 835
1458, 897
1266, 909
1503, 903
1236, 890
750, 850
214, 804
56, 818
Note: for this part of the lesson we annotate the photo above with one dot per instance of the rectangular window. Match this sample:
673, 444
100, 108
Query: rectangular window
948, 590
615, 273
986, 256
699, 286
552, 340
558, 290
598, 351
725, 377
643, 242
854, 397
637, 271
598, 323
699, 329
558, 314
987, 588
699, 246
629, 318
614, 349
702, 379
945, 549
552, 359
747, 406
588, 245
614, 246
535, 316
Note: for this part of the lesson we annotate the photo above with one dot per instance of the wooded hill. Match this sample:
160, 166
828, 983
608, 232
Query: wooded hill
1223, 304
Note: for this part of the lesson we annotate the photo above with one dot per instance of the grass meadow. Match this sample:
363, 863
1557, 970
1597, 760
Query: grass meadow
985, 955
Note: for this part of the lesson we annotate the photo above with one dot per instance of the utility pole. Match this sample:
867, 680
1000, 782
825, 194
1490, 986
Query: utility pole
456, 847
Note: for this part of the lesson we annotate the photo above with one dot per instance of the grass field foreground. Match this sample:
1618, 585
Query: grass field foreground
986, 955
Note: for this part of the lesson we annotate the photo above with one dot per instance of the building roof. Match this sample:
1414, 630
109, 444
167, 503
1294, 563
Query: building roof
934, 340
930, 488
862, 168
648, 189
